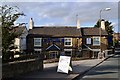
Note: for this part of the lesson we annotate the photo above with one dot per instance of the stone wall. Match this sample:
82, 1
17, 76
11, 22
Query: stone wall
15, 68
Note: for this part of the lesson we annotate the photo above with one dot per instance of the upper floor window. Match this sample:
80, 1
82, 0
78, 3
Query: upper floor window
68, 42
96, 40
37, 42
88, 40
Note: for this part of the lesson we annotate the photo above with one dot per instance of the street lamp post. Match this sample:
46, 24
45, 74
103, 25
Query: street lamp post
101, 54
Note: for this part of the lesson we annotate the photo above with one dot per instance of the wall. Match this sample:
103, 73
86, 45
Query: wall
30, 43
16, 68
17, 43
23, 40
87, 54
104, 42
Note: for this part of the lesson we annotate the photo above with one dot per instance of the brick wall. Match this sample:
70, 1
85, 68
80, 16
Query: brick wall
21, 67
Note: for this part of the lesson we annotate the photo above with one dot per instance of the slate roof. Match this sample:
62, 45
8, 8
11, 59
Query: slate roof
92, 31
56, 31
66, 31
19, 30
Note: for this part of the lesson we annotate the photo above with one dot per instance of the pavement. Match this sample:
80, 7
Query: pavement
50, 70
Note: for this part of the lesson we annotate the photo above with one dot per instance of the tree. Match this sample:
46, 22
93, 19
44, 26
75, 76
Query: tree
8, 16
108, 28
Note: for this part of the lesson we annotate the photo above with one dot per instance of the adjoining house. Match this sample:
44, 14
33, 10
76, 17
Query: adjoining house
66, 40
116, 37
94, 40
20, 41
54, 40
91, 41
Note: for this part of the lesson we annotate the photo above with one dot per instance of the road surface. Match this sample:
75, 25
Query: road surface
108, 70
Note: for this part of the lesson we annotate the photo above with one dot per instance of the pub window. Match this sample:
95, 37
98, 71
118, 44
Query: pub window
37, 41
68, 41
96, 40
88, 40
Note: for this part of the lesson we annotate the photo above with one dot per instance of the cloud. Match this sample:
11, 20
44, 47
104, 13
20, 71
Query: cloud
64, 13
59, 1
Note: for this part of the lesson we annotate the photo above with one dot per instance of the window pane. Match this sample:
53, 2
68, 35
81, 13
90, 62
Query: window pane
37, 42
88, 41
96, 41
68, 41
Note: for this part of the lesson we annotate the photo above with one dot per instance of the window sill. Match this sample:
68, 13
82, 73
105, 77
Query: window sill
68, 45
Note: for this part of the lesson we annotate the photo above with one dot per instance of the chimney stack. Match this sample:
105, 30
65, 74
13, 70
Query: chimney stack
31, 24
103, 24
78, 23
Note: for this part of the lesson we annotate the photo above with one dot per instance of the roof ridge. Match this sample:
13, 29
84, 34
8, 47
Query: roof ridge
53, 26
89, 27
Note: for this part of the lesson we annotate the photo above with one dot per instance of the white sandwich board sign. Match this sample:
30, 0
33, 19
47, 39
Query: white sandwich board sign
64, 64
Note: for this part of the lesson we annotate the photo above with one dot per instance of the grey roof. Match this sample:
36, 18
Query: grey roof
92, 31
57, 31
66, 31
19, 30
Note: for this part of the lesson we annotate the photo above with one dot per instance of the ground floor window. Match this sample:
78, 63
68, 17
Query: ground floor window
37, 51
88, 40
68, 52
53, 54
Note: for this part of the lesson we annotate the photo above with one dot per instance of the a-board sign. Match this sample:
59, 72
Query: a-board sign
64, 64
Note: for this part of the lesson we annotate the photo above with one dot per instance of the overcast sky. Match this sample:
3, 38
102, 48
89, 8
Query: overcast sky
64, 13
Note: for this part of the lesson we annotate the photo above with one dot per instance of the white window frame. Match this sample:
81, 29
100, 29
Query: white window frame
66, 41
88, 40
94, 43
39, 44
68, 50
55, 52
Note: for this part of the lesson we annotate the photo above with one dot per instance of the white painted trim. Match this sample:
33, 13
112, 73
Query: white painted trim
67, 38
67, 49
40, 42
52, 45
37, 49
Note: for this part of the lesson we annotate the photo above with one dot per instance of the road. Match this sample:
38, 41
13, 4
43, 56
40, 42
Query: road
108, 70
